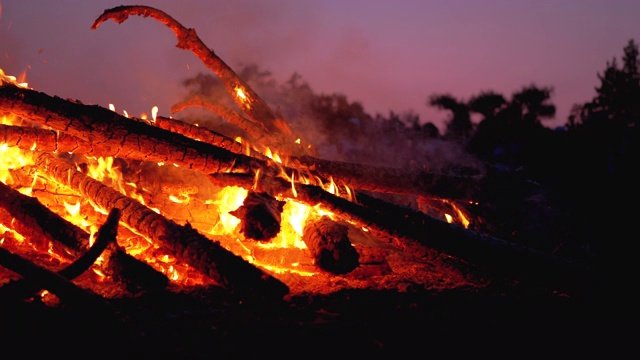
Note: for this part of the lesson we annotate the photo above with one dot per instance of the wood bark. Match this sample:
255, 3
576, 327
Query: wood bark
329, 245
107, 234
119, 136
260, 215
32, 219
205, 255
205, 135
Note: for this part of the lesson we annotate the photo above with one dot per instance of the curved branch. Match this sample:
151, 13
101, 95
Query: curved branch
241, 93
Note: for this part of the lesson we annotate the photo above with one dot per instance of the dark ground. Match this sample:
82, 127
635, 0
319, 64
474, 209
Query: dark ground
513, 322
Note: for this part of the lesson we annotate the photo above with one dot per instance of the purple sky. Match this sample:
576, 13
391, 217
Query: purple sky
388, 55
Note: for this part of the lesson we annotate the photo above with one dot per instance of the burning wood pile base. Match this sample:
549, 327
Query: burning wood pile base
172, 205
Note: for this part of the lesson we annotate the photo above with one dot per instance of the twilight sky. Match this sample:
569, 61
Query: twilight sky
388, 55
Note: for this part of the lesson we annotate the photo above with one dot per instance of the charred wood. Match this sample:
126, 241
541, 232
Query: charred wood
205, 135
31, 138
107, 235
33, 218
409, 226
118, 135
330, 247
260, 215
205, 255
390, 180
43, 278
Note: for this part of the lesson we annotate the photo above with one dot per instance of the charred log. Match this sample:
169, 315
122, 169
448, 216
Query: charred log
118, 135
408, 226
33, 218
205, 135
260, 216
22, 289
205, 255
30, 138
45, 279
330, 247
113, 135
391, 180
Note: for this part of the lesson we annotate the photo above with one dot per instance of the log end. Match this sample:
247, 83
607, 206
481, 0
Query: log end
329, 244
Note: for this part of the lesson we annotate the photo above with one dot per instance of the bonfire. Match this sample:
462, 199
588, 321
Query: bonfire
97, 204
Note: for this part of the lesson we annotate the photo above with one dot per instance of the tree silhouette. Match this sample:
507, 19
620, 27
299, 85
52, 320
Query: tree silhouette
534, 103
488, 103
616, 105
459, 127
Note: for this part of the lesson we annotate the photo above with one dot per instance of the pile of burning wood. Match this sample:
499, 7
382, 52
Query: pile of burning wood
183, 204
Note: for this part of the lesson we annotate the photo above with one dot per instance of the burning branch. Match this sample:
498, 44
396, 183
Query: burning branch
111, 134
258, 133
106, 235
32, 219
241, 93
39, 277
184, 242
57, 284
205, 135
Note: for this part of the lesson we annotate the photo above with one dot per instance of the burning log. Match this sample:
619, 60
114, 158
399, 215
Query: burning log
33, 219
110, 134
241, 93
409, 226
47, 140
117, 135
59, 283
330, 247
205, 135
260, 216
205, 255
